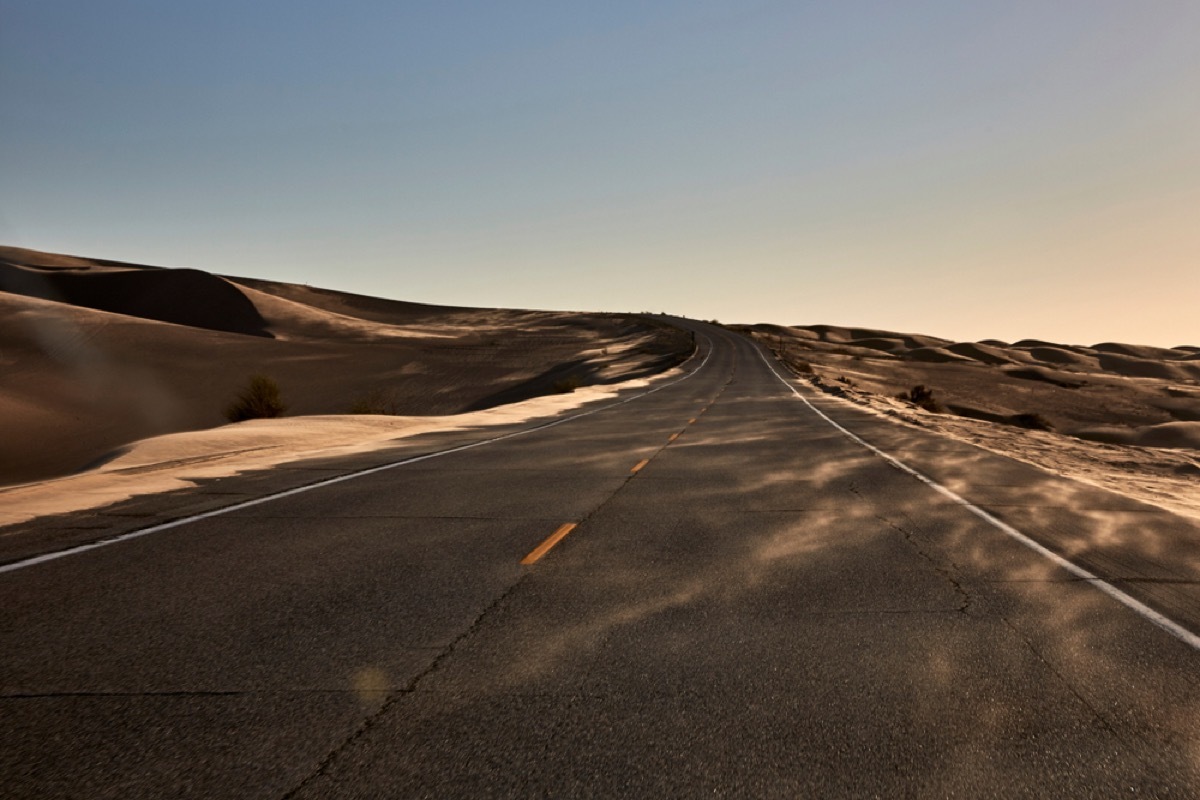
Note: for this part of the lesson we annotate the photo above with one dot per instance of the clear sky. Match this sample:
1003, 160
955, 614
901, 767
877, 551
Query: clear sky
1000, 169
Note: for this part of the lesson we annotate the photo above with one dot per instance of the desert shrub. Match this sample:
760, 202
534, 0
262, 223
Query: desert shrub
845, 380
566, 385
261, 399
922, 397
1034, 422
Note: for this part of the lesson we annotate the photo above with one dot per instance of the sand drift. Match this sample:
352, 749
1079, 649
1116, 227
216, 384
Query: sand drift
99, 354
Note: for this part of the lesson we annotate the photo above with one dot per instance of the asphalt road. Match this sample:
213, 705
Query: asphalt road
765, 608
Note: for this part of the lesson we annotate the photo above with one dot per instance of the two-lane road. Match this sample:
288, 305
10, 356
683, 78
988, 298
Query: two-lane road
750, 603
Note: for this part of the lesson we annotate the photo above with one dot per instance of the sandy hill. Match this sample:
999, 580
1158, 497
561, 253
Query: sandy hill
95, 354
1123, 416
1108, 391
183, 296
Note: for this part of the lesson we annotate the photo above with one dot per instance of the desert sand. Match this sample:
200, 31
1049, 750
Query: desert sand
182, 460
96, 355
1120, 416
114, 379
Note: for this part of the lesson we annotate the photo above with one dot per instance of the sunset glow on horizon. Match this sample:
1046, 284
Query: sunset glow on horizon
1001, 170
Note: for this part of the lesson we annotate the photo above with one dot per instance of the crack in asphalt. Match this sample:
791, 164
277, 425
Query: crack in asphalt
396, 695
949, 573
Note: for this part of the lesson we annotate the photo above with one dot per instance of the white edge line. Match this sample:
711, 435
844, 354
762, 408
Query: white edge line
1170, 626
175, 523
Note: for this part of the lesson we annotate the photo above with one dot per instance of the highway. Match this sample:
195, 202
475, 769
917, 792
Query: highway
750, 603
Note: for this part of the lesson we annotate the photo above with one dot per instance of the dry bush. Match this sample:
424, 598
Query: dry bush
921, 396
261, 399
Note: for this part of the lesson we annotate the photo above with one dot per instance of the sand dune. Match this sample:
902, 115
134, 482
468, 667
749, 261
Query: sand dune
856, 336
1126, 417
1137, 367
981, 352
1124, 384
293, 321
182, 297
1076, 388
182, 460
1139, 351
1053, 377
1166, 434
97, 354
935, 355
886, 345
357, 306
1065, 357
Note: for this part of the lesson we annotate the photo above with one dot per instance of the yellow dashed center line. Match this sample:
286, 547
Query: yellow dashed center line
552, 540
566, 528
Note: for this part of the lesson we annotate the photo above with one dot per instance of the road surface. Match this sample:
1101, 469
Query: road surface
750, 604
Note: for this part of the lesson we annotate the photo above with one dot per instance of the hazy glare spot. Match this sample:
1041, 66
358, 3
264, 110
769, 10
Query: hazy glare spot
369, 683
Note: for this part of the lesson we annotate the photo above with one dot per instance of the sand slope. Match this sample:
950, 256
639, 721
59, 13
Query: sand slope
1124, 416
95, 354
1078, 389
183, 296
182, 460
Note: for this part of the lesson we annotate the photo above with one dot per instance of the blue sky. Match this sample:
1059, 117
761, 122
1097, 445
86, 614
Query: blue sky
1007, 170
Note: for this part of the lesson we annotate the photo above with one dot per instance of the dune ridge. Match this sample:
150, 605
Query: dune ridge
182, 297
97, 354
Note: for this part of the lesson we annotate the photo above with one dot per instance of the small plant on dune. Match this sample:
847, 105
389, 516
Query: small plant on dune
921, 396
1034, 422
261, 399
